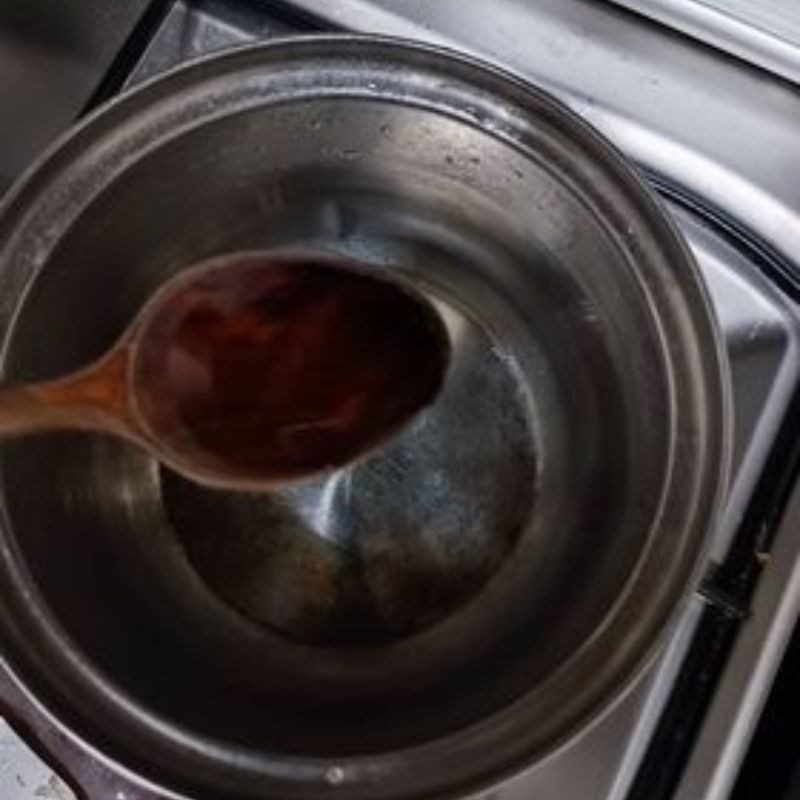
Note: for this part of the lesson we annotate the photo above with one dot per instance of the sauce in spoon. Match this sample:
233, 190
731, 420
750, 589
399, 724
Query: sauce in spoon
257, 368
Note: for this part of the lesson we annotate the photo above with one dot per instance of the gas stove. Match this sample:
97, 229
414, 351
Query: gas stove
718, 139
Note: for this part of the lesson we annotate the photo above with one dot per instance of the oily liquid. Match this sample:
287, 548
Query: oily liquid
277, 368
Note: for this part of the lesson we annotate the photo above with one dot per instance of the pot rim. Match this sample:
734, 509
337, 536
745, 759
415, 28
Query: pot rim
691, 342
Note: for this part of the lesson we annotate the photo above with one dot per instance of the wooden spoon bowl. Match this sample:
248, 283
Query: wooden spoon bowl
254, 368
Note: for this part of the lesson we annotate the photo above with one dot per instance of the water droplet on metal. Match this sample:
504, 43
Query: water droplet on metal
334, 775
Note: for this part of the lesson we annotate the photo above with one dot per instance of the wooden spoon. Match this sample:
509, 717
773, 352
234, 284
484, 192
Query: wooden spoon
254, 368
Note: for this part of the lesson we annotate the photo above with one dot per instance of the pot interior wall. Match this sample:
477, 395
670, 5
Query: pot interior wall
417, 592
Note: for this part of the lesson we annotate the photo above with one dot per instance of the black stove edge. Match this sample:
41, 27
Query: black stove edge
133, 50
771, 768
129, 55
728, 587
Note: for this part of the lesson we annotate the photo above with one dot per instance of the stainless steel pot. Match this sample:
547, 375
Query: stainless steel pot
465, 600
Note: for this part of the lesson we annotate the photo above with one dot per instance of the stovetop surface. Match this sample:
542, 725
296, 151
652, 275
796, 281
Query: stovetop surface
649, 106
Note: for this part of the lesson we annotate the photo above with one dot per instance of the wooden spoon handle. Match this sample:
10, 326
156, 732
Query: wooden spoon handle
93, 398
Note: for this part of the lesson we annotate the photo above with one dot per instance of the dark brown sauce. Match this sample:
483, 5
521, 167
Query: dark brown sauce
274, 369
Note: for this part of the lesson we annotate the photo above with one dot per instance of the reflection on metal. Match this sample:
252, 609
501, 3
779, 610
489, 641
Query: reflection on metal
721, 129
764, 32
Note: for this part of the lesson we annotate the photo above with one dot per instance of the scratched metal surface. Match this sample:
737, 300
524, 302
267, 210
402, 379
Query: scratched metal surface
23, 775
